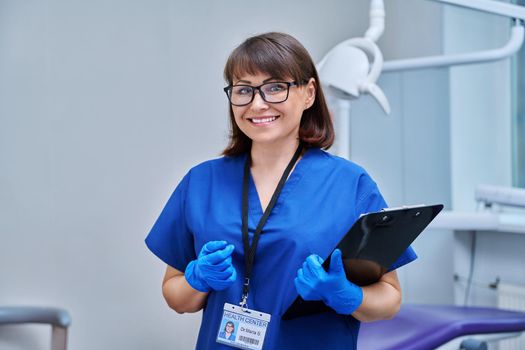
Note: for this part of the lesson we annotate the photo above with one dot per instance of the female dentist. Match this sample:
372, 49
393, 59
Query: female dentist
253, 226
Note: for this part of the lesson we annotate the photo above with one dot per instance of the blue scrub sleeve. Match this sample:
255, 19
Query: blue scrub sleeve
372, 201
170, 238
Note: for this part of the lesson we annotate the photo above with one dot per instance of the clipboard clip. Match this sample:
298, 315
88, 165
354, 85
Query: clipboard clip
404, 207
398, 208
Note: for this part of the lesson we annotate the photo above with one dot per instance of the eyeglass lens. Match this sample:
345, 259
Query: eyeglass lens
270, 92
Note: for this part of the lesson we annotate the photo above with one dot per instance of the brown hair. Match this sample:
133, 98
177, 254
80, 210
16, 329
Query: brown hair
281, 56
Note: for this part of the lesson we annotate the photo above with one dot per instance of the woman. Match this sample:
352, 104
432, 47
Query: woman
228, 332
219, 246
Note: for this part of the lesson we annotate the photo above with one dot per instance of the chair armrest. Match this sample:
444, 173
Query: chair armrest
31, 314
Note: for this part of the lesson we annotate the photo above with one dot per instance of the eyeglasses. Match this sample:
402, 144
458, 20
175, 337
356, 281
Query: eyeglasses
274, 92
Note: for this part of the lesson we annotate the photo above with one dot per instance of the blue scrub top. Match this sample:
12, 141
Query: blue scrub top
320, 201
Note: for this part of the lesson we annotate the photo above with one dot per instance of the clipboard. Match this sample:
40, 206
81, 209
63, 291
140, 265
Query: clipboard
371, 246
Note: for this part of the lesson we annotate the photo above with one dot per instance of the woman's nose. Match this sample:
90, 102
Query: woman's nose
258, 102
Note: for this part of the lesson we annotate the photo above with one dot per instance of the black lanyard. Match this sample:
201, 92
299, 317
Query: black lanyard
249, 251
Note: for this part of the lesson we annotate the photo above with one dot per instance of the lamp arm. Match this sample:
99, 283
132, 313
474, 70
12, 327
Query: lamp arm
377, 20
500, 8
510, 48
376, 29
495, 7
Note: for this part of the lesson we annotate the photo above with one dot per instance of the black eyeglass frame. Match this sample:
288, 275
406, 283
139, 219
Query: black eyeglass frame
228, 90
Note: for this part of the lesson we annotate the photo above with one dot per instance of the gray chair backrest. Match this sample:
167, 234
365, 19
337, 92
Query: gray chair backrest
59, 320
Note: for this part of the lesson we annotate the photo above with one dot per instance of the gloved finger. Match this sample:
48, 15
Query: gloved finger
314, 266
336, 263
300, 274
306, 280
218, 267
305, 290
227, 275
233, 275
219, 255
192, 277
306, 272
227, 261
222, 284
299, 285
221, 265
311, 274
314, 260
212, 246
220, 275
228, 272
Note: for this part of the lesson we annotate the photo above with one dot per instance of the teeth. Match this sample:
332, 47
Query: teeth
264, 120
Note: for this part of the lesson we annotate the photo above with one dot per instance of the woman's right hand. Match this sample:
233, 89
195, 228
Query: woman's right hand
213, 268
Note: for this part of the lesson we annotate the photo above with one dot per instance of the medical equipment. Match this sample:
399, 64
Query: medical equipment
492, 324
487, 220
515, 12
508, 196
59, 320
353, 66
454, 327
418, 327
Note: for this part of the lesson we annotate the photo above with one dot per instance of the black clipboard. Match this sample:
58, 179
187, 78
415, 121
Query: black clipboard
371, 246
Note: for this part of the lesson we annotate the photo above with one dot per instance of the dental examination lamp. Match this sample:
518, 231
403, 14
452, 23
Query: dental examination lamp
352, 67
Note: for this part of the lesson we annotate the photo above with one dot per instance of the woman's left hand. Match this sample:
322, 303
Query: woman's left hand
332, 287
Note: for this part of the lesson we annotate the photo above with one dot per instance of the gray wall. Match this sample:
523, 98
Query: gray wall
480, 101
104, 105
481, 143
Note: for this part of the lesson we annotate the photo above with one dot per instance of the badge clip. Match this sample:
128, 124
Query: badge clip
244, 299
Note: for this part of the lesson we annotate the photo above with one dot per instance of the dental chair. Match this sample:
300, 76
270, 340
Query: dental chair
58, 319
425, 327
449, 327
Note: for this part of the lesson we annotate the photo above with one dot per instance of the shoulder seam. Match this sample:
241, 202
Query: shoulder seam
365, 196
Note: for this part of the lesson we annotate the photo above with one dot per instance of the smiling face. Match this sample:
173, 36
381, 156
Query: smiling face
273, 123
304, 115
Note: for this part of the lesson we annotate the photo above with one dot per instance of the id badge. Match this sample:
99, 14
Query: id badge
243, 328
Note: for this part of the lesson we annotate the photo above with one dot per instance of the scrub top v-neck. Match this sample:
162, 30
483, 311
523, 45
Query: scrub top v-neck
321, 199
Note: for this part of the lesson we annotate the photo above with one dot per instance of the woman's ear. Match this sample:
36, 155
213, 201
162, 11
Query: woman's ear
311, 88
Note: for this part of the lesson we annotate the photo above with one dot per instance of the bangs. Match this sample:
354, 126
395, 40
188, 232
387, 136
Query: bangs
262, 56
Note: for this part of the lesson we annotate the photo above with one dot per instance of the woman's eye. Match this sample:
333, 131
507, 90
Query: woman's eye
274, 88
245, 90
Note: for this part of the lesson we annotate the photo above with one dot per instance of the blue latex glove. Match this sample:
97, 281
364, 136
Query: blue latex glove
213, 268
332, 287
